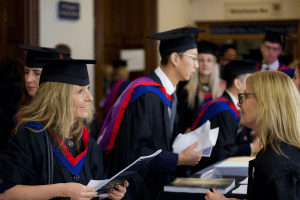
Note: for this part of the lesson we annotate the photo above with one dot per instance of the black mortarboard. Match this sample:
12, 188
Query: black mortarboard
177, 40
238, 67
40, 52
119, 63
275, 37
209, 47
69, 71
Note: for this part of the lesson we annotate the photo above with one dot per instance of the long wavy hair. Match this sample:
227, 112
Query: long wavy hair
194, 85
52, 106
279, 108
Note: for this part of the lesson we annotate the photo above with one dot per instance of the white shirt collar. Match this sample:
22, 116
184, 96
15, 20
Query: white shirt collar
273, 66
165, 80
235, 101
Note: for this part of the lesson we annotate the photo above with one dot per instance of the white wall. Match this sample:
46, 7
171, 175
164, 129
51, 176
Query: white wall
79, 34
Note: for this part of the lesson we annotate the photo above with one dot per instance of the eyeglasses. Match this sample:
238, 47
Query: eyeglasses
194, 57
272, 48
241, 95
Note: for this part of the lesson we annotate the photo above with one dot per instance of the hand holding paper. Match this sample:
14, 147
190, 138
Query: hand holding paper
206, 138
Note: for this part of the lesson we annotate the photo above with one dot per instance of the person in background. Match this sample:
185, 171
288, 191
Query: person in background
144, 118
66, 48
271, 48
270, 106
57, 111
204, 86
11, 70
120, 80
233, 139
296, 78
229, 54
33, 69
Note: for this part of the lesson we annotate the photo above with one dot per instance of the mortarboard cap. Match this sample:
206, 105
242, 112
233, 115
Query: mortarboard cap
238, 67
177, 40
119, 63
275, 37
35, 52
69, 71
209, 47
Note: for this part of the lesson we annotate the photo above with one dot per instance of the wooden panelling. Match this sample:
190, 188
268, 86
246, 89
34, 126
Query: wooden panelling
19, 25
125, 25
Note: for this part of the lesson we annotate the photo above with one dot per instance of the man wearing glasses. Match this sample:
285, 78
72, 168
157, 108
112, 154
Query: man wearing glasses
233, 139
146, 118
271, 49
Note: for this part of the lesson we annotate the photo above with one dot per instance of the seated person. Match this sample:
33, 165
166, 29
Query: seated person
56, 113
233, 139
270, 106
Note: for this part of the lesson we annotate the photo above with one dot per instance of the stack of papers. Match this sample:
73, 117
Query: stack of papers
235, 166
206, 137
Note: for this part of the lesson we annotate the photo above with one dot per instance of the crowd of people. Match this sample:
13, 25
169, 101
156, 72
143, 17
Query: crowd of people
53, 146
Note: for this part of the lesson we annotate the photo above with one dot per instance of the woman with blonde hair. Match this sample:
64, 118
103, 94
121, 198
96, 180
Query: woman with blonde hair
202, 87
270, 106
51, 154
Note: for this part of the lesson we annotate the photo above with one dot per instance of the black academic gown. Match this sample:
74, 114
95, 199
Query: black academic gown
275, 177
144, 129
229, 143
186, 115
24, 161
10, 95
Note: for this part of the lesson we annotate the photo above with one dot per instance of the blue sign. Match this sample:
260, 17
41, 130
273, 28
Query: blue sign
251, 29
67, 10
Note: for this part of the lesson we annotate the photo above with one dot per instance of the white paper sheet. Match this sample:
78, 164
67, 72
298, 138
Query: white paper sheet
206, 137
240, 190
244, 182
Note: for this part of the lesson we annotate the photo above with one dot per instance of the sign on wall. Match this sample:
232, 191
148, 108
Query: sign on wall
135, 59
255, 10
251, 29
67, 10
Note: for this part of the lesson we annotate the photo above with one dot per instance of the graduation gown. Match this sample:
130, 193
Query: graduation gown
229, 143
24, 161
186, 114
276, 177
144, 129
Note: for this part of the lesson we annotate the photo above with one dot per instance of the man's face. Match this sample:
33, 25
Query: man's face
270, 51
187, 66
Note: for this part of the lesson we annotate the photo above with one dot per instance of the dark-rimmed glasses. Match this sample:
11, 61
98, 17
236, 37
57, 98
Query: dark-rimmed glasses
193, 56
241, 95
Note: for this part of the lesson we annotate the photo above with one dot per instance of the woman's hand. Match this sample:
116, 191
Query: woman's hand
215, 195
117, 194
78, 191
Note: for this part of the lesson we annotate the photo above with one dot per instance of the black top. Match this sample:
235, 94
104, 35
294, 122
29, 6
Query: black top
276, 177
236, 68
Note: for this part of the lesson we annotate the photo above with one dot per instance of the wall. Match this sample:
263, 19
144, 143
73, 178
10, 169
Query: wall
79, 34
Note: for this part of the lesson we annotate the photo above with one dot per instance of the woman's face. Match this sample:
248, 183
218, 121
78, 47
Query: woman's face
206, 62
81, 101
296, 79
249, 108
32, 79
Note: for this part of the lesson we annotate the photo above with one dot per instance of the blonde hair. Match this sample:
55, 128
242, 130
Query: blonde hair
279, 108
52, 106
120, 72
194, 84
